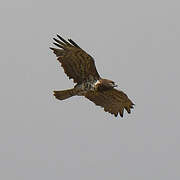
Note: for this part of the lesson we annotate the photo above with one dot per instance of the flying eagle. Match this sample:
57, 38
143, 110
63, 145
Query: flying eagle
80, 66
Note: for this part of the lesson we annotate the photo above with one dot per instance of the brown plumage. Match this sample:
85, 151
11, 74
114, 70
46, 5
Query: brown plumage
80, 66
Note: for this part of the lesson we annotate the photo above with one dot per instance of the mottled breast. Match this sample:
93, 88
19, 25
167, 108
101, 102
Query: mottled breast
86, 86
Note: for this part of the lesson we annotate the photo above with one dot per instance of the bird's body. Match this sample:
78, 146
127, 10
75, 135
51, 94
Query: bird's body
86, 86
94, 85
80, 66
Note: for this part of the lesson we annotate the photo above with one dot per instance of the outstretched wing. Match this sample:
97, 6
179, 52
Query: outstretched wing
77, 64
113, 101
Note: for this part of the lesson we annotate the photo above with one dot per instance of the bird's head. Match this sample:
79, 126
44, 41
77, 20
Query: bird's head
112, 84
106, 83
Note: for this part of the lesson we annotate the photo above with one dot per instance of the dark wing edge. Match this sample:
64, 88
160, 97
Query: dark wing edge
113, 101
77, 64
63, 44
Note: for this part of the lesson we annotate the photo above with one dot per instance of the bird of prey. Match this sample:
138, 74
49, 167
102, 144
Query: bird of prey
80, 66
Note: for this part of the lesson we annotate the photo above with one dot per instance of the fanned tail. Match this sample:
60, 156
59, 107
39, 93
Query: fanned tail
62, 95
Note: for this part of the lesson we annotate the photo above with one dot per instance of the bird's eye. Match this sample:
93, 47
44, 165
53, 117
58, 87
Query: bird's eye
113, 84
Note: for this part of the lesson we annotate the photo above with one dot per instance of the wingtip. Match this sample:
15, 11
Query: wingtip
116, 115
58, 45
56, 40
121, 113
61, 38
58, 35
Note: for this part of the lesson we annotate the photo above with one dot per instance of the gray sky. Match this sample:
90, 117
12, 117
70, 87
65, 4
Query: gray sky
134, 43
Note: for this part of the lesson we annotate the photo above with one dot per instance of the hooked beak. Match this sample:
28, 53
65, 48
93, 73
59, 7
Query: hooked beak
115, 85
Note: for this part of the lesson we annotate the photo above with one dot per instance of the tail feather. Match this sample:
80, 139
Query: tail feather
61, 95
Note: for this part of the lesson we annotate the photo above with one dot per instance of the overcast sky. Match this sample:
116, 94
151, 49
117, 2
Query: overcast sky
134, 43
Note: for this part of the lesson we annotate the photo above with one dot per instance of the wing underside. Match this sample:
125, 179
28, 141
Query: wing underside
113, 101
77, 64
